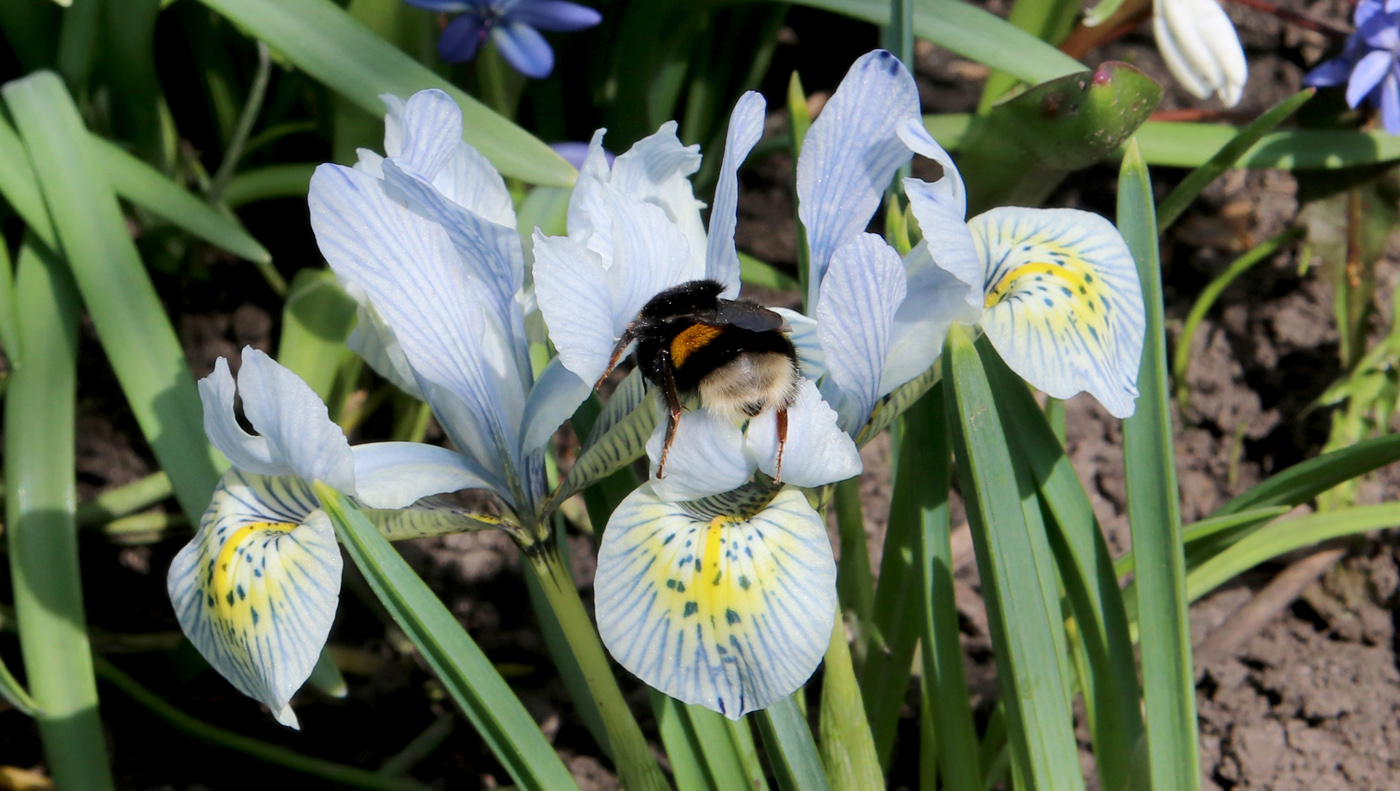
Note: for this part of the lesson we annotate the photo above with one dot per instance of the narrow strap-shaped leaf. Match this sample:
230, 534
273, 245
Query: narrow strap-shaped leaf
1086, 570
854, 583
892, 405
721, 748
333, 48
147, 187
131, 322
847, 748
316, 320
1017, 571
791, 750
9, 328
291, 180
688, 765
458, 662
945, 678
41, 532
1307, 479
1197, 533
1224, 159
20, 188
1154, 514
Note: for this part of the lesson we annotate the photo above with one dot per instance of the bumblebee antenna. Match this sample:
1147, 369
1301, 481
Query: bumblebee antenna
622, 343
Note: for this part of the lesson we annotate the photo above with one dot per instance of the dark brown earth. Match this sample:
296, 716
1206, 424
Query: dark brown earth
1310, 701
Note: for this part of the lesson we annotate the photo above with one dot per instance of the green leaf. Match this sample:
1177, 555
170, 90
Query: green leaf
20, 187
682, 747
1286, 536
130, 320
316, 321
791, 751
144, 186
971, 32
1090, 581
761, 273
9, 327
1181, 360
618, 438
269, 183
854, 584
457, 661
42, 534
1197, 533
1224, 159
847, 747
1153, 512
328, 44
1306, 480
1017, 570
1048, 20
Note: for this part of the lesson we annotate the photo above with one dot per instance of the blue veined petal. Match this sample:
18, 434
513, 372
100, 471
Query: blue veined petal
587, 220
524, 49
745, 128
936, 300
414, 277
431, 128
1064, 306
393, 124
941, 209
810, 357
650, 254
470, 180
390, 475
657, 170
296, 435
572, 291
863, 287
374, 341
707, 457
731, 613
817, 451
491, 252
555, 396
556, 16
257, 587
850, 154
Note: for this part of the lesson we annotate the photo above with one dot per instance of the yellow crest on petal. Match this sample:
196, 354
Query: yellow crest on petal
731, 612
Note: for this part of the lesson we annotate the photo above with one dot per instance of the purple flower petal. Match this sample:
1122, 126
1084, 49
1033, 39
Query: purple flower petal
525, 49
576, 153
1333, 72
1390, 103
1391, 6
556, 16
1367, 75
461, 39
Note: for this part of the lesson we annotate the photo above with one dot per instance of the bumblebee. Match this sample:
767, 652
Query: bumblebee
733, 354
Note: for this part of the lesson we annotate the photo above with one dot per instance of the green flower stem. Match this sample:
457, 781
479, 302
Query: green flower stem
635, 765
124, 500
847, 745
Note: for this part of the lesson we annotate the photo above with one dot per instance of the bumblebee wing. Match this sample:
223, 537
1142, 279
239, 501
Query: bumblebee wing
748, 316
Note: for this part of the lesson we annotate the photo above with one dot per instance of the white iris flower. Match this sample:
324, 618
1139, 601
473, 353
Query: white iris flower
256, 589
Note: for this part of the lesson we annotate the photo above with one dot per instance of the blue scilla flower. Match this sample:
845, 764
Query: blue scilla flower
1370, 62
514, 25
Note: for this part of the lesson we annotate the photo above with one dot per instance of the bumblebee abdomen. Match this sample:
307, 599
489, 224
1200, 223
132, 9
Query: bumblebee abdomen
750, 383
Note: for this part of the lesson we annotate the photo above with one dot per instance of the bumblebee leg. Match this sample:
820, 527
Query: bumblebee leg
622, 344
673, 411
782, 440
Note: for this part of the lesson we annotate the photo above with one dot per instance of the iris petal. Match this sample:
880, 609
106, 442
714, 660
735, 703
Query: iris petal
863, 288
817, 451
936, 300
745, 128
1064, 306
392, 475
574, 299
707, 457
257, 588
555, 396
850, 154
432, 128
730, 613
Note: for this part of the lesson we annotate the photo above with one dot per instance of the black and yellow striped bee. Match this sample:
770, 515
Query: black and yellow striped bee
733, 354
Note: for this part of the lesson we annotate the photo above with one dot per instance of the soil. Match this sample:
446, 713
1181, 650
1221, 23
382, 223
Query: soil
1311, 701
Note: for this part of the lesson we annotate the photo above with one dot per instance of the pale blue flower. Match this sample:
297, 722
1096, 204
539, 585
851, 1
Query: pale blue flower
1370, 62
256, 589
514, 25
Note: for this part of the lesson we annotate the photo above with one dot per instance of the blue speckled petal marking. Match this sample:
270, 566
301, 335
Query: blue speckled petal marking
728, 612
257, 588
1063, 302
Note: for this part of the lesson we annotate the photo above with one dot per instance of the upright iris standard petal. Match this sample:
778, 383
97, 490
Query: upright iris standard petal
850, 154
728, 612
572, 290
524, 48
745, 128
297, 435
864, 286
1064, 305
257, 588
